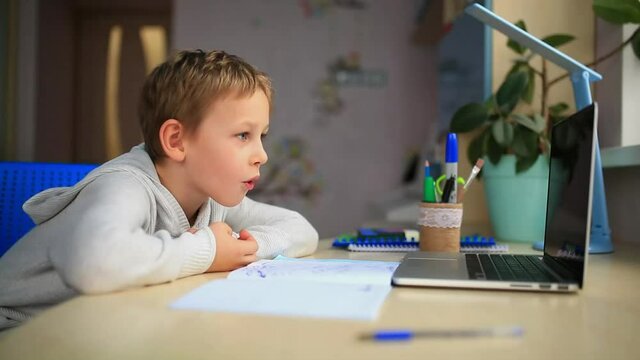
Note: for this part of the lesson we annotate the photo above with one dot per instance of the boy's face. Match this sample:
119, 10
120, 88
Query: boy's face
224, 154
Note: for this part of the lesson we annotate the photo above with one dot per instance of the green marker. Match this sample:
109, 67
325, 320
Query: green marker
429, 191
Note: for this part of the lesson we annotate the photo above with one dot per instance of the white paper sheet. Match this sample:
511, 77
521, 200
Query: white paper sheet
334, 271
287, 298
301, 287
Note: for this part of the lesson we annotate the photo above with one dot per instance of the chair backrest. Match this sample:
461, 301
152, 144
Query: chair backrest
21, 180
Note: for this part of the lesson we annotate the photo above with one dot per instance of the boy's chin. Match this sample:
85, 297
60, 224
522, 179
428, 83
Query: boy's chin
228, 202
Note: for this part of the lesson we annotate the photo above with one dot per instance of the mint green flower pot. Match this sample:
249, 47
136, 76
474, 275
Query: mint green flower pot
517, 203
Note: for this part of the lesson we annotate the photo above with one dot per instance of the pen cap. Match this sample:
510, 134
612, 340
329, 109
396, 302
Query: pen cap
451, 154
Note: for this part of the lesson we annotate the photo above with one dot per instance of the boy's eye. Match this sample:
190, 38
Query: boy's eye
262, 136
243, 136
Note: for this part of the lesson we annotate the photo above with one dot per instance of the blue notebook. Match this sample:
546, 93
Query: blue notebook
394, 240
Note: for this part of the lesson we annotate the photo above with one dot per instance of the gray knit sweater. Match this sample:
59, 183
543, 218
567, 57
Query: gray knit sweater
121, 228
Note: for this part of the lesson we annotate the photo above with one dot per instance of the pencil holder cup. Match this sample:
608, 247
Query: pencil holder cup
440, 227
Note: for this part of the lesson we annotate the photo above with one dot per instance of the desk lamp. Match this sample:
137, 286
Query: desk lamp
580, 76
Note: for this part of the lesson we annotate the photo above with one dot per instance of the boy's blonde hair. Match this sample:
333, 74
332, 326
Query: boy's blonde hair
182, 88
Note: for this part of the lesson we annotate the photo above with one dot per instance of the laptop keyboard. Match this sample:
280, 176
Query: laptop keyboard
507, 267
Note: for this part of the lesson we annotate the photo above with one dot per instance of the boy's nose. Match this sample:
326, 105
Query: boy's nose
261, 156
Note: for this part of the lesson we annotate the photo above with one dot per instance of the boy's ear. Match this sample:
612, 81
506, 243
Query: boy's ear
172, 134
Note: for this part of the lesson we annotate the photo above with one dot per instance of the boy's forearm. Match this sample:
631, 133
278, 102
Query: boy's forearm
278, 231
124, 260
295, 239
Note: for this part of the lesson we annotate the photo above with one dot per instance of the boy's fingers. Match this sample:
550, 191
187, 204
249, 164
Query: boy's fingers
249, 246
249, 240
248, 259
192, 230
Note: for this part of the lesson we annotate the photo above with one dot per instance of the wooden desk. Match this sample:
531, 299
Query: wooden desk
601, 322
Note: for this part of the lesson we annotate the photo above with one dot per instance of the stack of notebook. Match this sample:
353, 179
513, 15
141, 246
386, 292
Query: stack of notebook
400, 240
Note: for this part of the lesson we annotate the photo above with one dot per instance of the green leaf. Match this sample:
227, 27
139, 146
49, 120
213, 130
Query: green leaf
556, 112
558, 40
517, 66
525, 142
541, 124
502, 132
469, 117
523, 65
528, 122
511, 90
476, 148
558, 108
618, 11
514, 45
524, 163
494, 151
635, 44
527, 95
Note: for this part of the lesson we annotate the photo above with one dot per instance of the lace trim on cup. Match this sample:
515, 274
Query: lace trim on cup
440, 217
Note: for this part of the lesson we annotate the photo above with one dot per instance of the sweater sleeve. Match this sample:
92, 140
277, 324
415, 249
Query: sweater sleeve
278, 231
99, 243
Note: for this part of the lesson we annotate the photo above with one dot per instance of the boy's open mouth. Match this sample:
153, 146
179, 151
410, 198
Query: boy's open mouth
251, 183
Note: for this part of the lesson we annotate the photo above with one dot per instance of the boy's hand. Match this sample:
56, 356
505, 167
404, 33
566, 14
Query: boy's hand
232, 253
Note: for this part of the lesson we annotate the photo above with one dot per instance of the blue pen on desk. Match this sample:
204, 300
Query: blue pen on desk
451, 165
406, 335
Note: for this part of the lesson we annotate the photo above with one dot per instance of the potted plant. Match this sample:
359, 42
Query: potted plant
512, 133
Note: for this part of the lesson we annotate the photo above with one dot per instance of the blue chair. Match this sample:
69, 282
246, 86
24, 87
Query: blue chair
21, 180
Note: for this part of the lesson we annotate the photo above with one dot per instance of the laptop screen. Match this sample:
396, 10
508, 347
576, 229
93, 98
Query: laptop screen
570, 184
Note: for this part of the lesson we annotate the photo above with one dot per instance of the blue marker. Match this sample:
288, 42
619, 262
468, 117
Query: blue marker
406, 335
451, 166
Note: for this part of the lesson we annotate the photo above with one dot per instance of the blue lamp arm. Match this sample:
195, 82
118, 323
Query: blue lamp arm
581, 77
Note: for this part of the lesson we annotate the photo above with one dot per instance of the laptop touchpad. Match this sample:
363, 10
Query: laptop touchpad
436, 267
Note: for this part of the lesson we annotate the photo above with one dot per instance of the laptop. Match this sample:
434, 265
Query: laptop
566, 240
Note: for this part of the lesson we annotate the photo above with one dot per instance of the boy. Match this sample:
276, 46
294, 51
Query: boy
168, 208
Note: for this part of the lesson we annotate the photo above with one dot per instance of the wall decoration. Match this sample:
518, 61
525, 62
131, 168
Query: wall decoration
289, 174
330, 102
326, 90
345, 71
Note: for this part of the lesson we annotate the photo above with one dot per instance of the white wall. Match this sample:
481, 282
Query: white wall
619, 119
630, 92
619, 91
608, 92
360, 153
